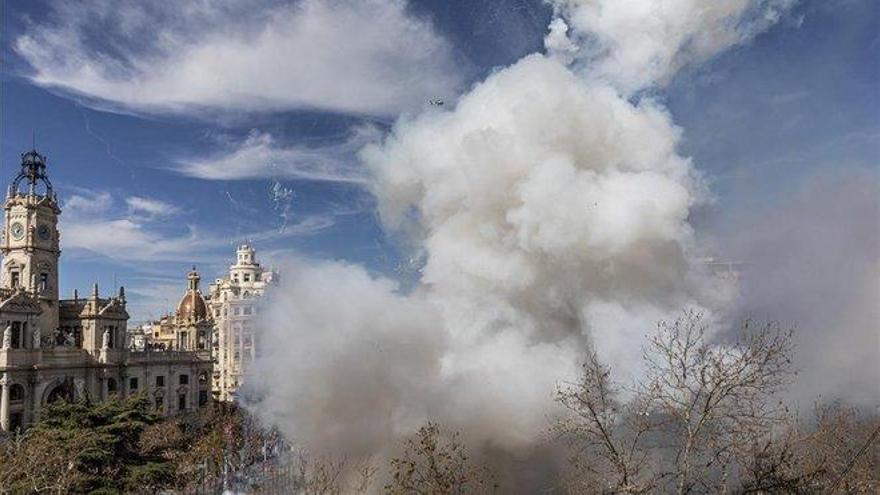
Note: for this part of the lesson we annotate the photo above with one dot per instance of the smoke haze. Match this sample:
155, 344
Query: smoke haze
552, 208
813, 263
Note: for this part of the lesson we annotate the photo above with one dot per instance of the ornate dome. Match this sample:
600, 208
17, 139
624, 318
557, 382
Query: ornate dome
192, 306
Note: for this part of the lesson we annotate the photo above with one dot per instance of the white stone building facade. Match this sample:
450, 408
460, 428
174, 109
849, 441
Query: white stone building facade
70, 349
234, 304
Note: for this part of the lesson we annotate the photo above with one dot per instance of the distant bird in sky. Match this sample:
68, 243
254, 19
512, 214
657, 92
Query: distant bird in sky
436, 103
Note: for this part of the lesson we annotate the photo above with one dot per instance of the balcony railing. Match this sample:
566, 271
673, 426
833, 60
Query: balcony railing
59, 357
157, 355
49, 358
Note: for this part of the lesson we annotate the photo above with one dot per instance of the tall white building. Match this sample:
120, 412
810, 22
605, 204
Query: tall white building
233, 302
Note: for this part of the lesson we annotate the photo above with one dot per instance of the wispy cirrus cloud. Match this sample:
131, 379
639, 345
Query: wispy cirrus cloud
369, 57
260, 155
94, 225
94, 222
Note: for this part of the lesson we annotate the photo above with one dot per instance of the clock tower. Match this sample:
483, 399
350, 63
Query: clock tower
30, 241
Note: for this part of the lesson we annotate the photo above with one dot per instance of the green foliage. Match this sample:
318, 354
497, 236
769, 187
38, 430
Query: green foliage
152, 475
120, 446
99, 447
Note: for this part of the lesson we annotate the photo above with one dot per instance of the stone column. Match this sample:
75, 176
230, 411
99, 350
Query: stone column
4, 403
33, 397
122, 386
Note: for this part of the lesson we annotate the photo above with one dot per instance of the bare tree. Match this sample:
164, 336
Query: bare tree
319, 476
605, 434
687, 420
43, 462
837, 452
328, 475
715, 397
434, 464
365, 474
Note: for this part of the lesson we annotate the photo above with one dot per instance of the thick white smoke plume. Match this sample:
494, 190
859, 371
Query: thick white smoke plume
636, 43
553, 210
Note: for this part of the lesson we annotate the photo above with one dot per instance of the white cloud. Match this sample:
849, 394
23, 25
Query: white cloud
93, 223
116, 236
149, 206
259, 155
365, 57
151, 297
89, 202
124, 239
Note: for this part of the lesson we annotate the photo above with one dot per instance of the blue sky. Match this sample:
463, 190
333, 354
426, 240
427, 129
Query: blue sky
153, 180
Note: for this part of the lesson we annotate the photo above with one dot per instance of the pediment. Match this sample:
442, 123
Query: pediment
12, 263
113, 310
21, 302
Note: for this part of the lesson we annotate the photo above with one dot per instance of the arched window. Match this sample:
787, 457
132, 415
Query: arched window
16, 334
63, 391
111, 385
16, 392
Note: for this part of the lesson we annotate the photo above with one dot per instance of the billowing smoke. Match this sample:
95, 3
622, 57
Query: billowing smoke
352, 360
552, 208
633, 44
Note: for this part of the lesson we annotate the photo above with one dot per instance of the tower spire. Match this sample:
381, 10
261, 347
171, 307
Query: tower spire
33, 172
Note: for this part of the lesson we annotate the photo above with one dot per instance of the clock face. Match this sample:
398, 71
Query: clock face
44, 233
17, 231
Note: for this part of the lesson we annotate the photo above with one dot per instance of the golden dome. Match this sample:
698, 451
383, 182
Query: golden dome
192, 306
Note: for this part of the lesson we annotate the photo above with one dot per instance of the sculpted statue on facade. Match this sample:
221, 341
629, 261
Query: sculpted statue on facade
105, 339
37, 337
7, 337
